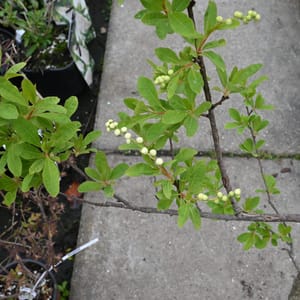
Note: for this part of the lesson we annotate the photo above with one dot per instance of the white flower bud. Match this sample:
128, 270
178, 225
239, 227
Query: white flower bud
144, 150
219, 19
127, 135
152, 152
159, 161
224, 198
219, 194
231, 194
117, 132
202, 197
238, 14
257, 17
139, 140
170, 72
128, 141
237, 192
124, 129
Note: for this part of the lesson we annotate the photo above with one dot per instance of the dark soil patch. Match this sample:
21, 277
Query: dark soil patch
67, 224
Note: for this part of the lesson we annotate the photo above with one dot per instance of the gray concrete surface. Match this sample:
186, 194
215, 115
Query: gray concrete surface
142, 256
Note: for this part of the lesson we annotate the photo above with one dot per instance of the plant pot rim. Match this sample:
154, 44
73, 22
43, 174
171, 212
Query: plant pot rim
40, 264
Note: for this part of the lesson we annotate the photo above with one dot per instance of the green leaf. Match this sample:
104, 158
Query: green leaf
141, 169
185, 154
260, 103
244, 237
234, 114
173, 116
242, 75
29, 90
164, 203
210, 17
118, 171
191, 125
8, 111
102, 165
27, 131
154, 131
251, 203
91, 137
195, 80
202, 108
90, 186
147, 90
214, 44
10, 92
172, 86
216, 59
14, 162
222, 74
154, 5
10, 198
248, 146
92, 173
26, 183
180, 5
167, 188
182, 25
195, 216
108, 191
71, 105
183, 214
50, 177
261, 243
37, 166
16, 68
28, 151
167, 55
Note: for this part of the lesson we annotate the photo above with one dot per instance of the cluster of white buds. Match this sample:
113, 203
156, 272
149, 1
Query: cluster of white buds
112, 125
162, 80
251, 15
220, 196
152, 153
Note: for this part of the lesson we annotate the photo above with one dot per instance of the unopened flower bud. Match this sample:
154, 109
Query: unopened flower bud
128, 141
117, 132
224, 198
237, 192
123, 129
127, 135
152, 152
238, 14
219, 19
257, 17
159, 161
231, 194
216, 201
139, 140
219, 194
170, 72
202, 197
144, 150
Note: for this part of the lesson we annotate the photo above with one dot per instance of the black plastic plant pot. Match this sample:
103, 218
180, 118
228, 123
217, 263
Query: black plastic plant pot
61, 82
19, 280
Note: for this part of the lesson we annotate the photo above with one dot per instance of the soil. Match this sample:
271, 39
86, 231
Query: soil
67, 223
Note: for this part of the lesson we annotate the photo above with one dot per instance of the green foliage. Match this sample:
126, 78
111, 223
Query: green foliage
37, 135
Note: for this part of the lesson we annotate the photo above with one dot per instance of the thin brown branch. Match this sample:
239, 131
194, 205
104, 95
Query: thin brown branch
220, 102
124, 204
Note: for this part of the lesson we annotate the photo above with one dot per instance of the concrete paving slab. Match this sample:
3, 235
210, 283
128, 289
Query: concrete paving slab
143, 256
273, 41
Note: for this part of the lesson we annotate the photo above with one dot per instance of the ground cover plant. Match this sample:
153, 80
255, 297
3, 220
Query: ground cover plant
38, 134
